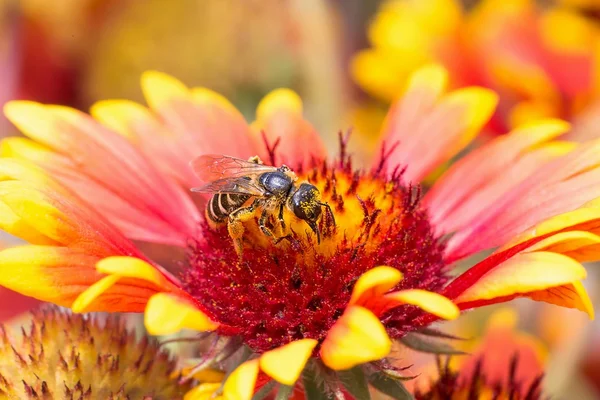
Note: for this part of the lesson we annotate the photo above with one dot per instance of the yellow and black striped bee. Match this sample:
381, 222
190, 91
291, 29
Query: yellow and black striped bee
241, 188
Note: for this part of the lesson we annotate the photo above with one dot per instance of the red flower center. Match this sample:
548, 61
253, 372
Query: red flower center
297, 288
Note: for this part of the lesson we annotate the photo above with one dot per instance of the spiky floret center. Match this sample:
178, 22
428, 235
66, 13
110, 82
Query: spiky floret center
62, 355
297, 288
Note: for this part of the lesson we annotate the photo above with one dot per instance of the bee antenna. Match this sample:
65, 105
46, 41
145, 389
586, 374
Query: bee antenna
328, 209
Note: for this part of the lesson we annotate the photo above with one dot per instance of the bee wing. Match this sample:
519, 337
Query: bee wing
243, 185
214, 167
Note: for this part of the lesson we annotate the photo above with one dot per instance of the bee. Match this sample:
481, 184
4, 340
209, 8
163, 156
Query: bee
242, 188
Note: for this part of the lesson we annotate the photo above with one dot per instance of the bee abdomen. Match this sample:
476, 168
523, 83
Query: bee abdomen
221, 205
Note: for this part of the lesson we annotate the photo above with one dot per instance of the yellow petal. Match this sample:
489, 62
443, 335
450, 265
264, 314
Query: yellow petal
579, 245
279, 99
374, 283
87, 297
204, 391
523, 274
431, 302
160, 88
476, 107
130, 267
241, 382
285, 364
166, 314
118, 115
356, 338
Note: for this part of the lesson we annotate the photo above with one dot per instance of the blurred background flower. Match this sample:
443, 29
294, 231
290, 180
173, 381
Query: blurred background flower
540, 58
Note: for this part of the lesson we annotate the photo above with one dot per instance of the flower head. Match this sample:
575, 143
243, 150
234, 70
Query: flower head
65, 356
82, 191
540, 61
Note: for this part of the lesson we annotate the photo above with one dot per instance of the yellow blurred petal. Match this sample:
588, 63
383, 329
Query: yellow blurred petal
285, 364
203, 391
531, 111
579, 245
433, 303
119, 115
568, 32
434, 77
279, 99
542, 130
87, 297
160, 88
523, 274
21, 147
166, 314
130, 267
241, 382
204, 96
504, 317
374, 283
356, 338
477, 106
208, 375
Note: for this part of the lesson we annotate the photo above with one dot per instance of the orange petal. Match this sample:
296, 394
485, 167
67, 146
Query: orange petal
578, 245
59, 275
279, 116
373, 284
538, 275
435, 130
241, 382
110, 160
357, 337
200, 120
285, 364
167, 314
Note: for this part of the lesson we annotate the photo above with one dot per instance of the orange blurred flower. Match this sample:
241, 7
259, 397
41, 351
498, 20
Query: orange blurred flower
542, 62
505, 364
82, 189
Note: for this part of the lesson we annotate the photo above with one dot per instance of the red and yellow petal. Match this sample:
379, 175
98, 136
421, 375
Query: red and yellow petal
101, 166
60, 275
40, 209
279, 117
541, 276
561, 185
356, 338
455, 119
200, 120
474, 182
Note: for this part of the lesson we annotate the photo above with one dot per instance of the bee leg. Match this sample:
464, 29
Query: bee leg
281, 220
235, 226
262, 224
